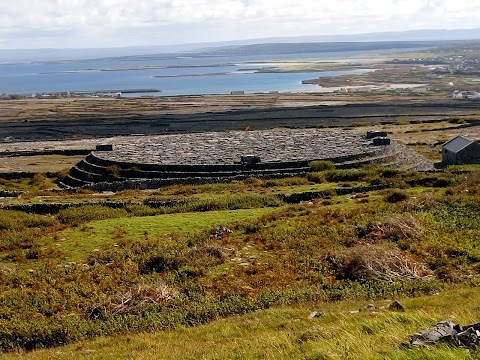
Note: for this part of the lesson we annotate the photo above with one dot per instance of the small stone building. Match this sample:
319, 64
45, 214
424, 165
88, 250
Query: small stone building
461, 150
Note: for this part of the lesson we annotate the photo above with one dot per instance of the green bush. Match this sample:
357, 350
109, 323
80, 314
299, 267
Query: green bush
38, 179
456, 121
389, 173
321, 165
316, 177
62, 174
141, 210
82, 214
18, 220
113, 171
345, 175
290, 181
235, 202
395, 196
443, 183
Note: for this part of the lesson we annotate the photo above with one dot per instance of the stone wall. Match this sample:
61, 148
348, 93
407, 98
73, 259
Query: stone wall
23, 175
54, 208
67, 152
150, 162
144, 184
9, 194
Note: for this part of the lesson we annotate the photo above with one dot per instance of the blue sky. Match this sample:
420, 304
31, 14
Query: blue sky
117, 23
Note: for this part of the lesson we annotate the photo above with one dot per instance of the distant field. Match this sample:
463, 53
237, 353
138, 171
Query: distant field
38, 164
78, 119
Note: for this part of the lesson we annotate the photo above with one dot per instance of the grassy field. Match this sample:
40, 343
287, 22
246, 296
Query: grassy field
79, 242
38, 164
287, 333
233, 271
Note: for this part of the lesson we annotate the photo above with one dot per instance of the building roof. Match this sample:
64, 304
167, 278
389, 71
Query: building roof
457, 144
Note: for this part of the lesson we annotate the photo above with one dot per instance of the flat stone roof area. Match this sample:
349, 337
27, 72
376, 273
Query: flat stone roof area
214, 148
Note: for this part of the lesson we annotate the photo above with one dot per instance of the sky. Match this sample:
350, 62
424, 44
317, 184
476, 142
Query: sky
119, 23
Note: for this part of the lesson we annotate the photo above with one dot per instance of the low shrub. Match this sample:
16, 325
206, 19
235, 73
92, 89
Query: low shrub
291, 181
345, 175
389, 173
62, 174
321, 165
18, 220
395, 196
38, 179
456, 121
235, 202
82, 214
402, 226
316, 177
443, 183
376, 262
141, 210
253, 181
113, 171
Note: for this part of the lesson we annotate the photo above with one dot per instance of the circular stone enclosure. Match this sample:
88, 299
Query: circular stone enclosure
227, 148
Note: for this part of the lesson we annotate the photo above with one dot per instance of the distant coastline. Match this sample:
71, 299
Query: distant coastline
175, 75
78, 94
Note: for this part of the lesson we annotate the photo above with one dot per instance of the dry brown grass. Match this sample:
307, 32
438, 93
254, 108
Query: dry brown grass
136, 299
38, 164
377, 262
422, 202
403, 226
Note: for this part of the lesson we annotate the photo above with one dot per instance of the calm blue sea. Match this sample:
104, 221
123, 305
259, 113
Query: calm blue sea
171, 75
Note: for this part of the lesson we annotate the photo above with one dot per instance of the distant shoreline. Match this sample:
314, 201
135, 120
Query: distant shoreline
75, 94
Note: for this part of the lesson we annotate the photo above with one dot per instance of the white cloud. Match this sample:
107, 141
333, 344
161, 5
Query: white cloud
29, 22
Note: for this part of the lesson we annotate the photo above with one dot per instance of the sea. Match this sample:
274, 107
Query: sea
169, 74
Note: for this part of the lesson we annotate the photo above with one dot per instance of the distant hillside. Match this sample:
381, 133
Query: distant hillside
315, 47
411, 35
316, 43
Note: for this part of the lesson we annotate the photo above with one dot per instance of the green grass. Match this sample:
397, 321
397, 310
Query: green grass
65, 278
455, 168
37, 183
78, 242
174, 192
287, 333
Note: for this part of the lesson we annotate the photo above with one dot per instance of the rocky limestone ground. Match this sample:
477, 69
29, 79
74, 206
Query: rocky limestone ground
228, 147
406, 158
215, 148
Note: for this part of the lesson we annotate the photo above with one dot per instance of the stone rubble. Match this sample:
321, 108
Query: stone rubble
450, 333
217, 148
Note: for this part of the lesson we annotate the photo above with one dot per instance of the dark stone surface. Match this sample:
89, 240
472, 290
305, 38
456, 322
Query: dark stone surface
375, 134
379, 141
396, 306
